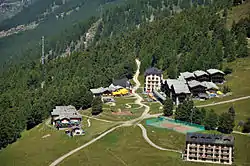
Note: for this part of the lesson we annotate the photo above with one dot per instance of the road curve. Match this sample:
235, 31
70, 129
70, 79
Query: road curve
145, 136
139, 98
57, 161
224, 102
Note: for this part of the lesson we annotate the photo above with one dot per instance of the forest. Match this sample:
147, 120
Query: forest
195, 38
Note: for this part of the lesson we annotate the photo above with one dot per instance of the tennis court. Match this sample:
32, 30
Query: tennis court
175, 125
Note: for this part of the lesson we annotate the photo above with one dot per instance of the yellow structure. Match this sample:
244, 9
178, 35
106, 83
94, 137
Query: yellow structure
120, 92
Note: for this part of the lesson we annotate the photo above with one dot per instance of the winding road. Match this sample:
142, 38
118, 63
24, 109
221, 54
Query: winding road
224, 102
145, 136
144, 115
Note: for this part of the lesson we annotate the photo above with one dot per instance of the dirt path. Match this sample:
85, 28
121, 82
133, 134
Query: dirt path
224, 102
237, 132
124, 124
57, 161
145, 136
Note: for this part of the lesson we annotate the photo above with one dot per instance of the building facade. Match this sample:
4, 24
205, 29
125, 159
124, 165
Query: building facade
65, 117
153, 79
216, 76
196, 88
201, 75
209, 148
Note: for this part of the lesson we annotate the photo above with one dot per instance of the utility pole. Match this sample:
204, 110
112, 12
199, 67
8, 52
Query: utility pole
43, 57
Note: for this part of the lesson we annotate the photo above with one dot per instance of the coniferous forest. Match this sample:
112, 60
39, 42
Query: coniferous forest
183, 36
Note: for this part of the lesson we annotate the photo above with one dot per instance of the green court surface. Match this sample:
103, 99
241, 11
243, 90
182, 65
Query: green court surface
175, 125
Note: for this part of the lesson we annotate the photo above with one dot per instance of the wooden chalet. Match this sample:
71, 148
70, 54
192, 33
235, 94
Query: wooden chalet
216, 75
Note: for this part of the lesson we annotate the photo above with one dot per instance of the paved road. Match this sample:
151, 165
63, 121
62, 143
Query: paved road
89, 124
103, 120
224, 102
57, 161
145, 136
237, 132
127, 123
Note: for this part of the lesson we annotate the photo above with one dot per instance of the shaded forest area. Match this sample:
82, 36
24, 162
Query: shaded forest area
196, 38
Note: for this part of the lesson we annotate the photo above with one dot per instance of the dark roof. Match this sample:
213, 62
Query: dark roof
124, 82
152, 71
210, 139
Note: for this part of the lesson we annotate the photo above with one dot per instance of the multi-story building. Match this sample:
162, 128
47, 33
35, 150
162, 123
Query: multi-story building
209, 148
216, 75
153, 79
201, 75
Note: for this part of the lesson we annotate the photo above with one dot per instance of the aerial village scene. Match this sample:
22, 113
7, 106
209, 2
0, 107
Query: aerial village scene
119, 105
124, 82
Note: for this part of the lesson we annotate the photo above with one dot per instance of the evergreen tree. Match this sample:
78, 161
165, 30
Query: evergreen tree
197, 116
183, 112
168, 107
246, 127
97, 105
226, 123
211, 120
231, 111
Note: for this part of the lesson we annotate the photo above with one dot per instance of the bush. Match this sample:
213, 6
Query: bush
228, 70
226, 89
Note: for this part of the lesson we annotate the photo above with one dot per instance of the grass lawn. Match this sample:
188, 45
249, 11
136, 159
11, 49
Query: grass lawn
121, 102
33, 150
238, 81
166, 138
238, 12
242, 109
170, 139
125, 146
154, 107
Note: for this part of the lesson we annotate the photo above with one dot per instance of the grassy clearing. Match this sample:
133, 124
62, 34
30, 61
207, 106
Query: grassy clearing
242, 109
31, 149
121, 102
155, 107
238, 81
238, 12
125, 146
166, 138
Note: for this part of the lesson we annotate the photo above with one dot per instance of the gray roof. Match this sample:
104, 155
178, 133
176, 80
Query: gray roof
101, 90
195, 83
98, 90
210, 85
124, 82
214, 71
170, 82
198, 73
152, 71
160, 95
210, 139
112, 87
181, 78
65, 112
187, 75
180, 87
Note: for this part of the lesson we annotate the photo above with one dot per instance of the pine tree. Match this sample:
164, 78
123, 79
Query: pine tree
226, 123
246, 127
231, 111
96, 105
168, 107
211, 120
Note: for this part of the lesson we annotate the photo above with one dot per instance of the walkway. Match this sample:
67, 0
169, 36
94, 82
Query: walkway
57, 161
224, 102
145, 136
126, 123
